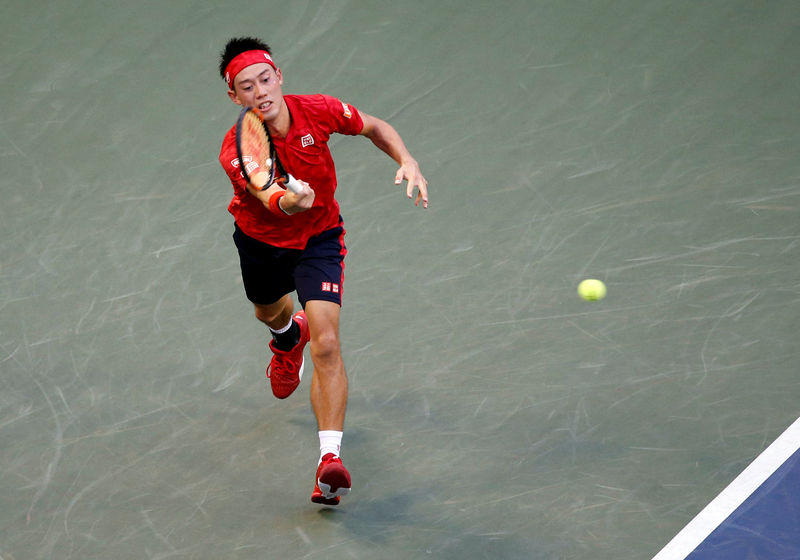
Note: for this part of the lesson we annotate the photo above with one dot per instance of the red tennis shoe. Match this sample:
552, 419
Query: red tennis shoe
333, 481
286, 368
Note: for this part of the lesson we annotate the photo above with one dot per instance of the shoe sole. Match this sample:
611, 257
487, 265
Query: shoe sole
331, 486
325, 501
326, 491
335, 485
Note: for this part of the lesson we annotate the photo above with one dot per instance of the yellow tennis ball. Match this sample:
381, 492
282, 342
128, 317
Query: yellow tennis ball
592, 290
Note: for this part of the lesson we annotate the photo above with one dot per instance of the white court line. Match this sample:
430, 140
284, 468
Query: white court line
733, 496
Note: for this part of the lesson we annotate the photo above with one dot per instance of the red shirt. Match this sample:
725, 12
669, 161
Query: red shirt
304, 153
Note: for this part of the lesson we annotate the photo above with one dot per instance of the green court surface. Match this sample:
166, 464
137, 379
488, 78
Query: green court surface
654, 145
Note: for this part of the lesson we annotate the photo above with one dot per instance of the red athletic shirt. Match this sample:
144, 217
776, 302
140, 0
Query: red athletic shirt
304, 153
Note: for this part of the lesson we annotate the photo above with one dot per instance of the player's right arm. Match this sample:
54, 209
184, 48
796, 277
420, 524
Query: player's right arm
290, 202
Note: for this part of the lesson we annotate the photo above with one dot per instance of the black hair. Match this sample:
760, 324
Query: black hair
237, 46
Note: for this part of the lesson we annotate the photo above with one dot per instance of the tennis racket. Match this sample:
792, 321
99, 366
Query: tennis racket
257, 158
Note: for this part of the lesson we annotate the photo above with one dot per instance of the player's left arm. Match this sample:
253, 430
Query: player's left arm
387, 139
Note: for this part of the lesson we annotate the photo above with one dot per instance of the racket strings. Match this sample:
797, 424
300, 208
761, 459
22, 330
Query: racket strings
256, 147
255, 139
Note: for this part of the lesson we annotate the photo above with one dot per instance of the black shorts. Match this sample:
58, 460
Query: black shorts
316, 272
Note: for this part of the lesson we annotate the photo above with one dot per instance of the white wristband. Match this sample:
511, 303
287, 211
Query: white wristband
281, 207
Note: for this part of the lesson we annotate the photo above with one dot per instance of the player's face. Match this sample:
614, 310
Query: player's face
259, 86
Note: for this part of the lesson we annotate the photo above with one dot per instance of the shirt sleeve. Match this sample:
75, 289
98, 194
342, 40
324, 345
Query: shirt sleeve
230, 163
345, 117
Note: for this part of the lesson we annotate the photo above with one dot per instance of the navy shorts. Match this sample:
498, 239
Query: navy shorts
316, 272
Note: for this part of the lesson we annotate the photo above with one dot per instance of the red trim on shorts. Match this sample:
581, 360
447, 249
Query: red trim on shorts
343, 252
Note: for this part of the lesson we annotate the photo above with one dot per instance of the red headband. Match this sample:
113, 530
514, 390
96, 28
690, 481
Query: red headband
243, 60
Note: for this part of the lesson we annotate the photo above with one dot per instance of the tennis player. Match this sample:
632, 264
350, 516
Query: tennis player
294, 242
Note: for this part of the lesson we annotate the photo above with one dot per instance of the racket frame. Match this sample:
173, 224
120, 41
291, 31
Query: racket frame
276, 170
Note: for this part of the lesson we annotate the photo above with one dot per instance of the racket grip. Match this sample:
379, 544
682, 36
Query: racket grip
293, 184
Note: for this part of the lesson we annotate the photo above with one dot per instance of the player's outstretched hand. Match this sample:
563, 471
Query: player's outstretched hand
409, 171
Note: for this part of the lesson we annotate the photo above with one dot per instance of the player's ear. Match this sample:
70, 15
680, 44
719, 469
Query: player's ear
279, 74
234, 97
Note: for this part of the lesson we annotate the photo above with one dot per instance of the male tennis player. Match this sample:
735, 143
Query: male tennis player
294, 242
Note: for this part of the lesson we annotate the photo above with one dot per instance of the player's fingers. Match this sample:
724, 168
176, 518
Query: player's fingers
398, 177
422, 195
422, 192
308, 196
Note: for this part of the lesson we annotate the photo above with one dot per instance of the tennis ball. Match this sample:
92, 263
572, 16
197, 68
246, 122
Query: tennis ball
592, 290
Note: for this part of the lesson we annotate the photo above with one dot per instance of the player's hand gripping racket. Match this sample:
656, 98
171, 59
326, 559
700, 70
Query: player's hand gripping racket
257, 158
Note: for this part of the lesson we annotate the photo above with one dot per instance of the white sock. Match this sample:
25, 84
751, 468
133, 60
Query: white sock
284, 329
330, 441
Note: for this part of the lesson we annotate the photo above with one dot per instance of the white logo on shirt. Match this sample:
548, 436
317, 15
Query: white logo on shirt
307, 140
247, 159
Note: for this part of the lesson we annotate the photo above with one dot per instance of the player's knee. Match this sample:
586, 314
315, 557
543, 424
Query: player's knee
326, 346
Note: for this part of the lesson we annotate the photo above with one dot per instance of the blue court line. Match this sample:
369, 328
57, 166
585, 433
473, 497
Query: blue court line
780, 460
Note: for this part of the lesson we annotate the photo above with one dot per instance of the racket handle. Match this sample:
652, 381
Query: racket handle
293, 184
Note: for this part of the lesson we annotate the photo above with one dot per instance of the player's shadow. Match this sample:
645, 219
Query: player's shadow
375, 521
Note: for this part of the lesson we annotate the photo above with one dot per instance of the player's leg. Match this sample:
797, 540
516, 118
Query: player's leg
268, 281
328, 400
329, 384
319, 278
275, 315
279, 318
289, 337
